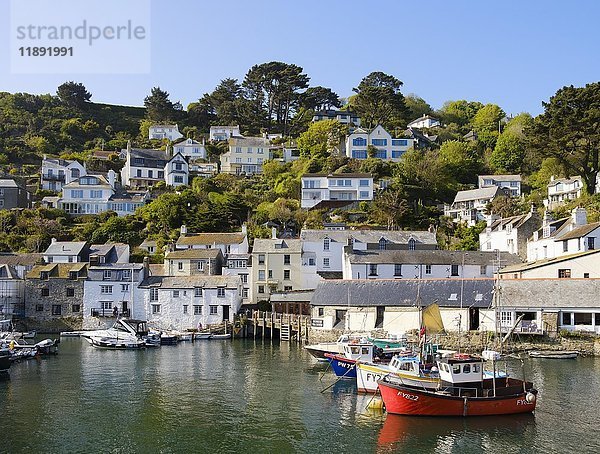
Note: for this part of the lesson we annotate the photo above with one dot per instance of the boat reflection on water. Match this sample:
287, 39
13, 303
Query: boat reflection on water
428, 434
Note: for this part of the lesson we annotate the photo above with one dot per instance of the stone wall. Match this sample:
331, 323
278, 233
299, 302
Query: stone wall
39, 309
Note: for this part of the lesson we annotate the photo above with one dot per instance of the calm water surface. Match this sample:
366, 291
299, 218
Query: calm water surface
246, 396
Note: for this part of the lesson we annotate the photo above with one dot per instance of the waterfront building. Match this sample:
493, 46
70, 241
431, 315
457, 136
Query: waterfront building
510, 234
189, 262
562, 190
387, 148
322, 190
13, 268
56, 173
246, 155
510, 183
470, 206
159, 132
144, 168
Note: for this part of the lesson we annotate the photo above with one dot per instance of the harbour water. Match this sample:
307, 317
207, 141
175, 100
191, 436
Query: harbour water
247, 396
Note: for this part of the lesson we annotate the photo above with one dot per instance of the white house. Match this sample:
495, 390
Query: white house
190, 302
562, 190
426, 121
510, 183
510, 234
229, 243
144, 168
246, 155
470, 206
318, 189
160, 132
421, 264
343, 116
387, 147
66, 252
563, 237
223, 133
579, 265
58, 172
191, 149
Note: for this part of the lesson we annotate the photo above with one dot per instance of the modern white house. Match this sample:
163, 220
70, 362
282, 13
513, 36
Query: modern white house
145, 168
66, 252
343, 116
344, 188
223, 133
562, 190
387, 147
159, 132
56, 173
190, 302
191, 149
470, 206
422, 264
510, 183
426, 121
510, 234
563, 237
246, 155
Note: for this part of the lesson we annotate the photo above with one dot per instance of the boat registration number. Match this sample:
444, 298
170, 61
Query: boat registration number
408, 396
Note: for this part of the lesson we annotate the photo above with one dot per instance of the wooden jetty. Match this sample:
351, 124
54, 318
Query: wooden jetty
286, 327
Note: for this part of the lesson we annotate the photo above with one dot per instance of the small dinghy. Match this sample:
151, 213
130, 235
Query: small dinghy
554, 354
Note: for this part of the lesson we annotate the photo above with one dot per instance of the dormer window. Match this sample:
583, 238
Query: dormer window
326, 244
546, 232
73, 275
44, 275
382, 244
412, 244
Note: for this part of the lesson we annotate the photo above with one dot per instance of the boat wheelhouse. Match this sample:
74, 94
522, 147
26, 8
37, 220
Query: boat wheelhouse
402, 369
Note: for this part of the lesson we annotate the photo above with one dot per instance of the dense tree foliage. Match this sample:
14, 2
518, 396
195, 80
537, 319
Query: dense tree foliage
379, 100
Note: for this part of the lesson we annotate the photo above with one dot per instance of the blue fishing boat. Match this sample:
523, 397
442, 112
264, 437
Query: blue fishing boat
344, 365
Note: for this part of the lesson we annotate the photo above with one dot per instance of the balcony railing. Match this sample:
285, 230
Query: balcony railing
99, 312
52, 177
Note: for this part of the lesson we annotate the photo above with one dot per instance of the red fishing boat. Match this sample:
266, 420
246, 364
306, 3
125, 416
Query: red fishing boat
463, 391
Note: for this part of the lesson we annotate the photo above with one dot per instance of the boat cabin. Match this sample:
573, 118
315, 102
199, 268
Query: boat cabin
461, 370
359, 351
135, 327
406, 364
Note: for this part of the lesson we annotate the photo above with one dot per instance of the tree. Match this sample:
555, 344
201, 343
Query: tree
73, 94
486, 123
569, 130
417, 106
158, 106
321, 138
378, 100
460, 112
319, 98
509, 152
460, 159
390, 207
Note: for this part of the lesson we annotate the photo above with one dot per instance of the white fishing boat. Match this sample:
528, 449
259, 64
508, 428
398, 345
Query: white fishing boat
554, 354
336, 348
124, 334
202, 336
220, 336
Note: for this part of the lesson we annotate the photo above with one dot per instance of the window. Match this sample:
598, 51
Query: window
39, 307
582, 318
106, 289
359, 154
244, 293
179, 166
197, 309
364, 194
106, 305
261, 259
396, 154
56, 309
286, 259
175, 293
399, 142
150, 174
359, 142
454, 271
286, 275
398, 269
565, 245
364, 183
221, 292
94, 194
238, 149
586, 275
214, 310
261, 275
244, 278
381, 154
156, 308
153, 294
412, 244
201, 266
126, 275
379, 142
249, 150
325, 262
45, 291
321, 312
260, 150
427, 269
44, 275
70, 291
138, 173
483, 270
179, 266
76, 308
261, 289
467, 369
372, 269
107, 274
566, 318
270, 274
287, 288
198, 292
161, 174
124, 287
185, 308
326, 242
178, 179
597, 319
382, 244
564, 273
77, 194
590, 243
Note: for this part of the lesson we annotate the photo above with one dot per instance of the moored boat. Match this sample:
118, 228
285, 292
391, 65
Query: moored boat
4, 360
319, 350
554, 354
403, 369
463, 392
221, 336
345, 365
202, 336
124, 334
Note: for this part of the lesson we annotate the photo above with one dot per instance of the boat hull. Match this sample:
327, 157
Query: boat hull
4, 361
342, 367
202, 336
554, 354
404, 400
367, 376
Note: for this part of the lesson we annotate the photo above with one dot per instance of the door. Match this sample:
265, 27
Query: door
379, 319
125, 309
225, 312
340, 319
473, 319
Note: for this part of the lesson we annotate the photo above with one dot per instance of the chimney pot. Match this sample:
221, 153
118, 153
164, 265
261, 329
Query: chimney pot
274, 233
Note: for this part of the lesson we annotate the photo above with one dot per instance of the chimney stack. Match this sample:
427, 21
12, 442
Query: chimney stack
579, 216
183, 230
273, 233
146, 266
244, 229
111, 178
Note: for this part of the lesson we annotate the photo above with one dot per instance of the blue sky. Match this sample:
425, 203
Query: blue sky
512, 53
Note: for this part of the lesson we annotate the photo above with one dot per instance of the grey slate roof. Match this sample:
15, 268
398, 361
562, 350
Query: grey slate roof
500, 177
580, 231
477, 194
549, 294
238, 141
291, 296
565, 181
515, 221
8, 183
369, 236
20, 259
66, 248
270, 245
432, 257
405, 292
544, 262
188, 282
